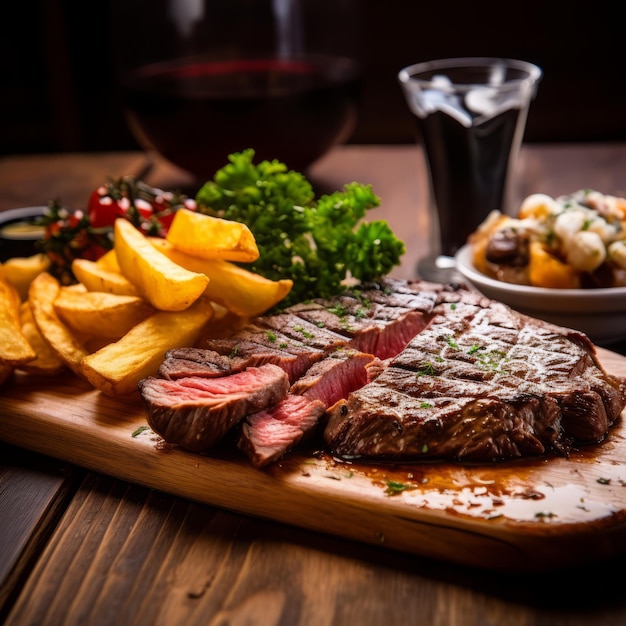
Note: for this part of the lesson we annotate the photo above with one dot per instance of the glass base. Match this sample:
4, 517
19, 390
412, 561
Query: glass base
438, 269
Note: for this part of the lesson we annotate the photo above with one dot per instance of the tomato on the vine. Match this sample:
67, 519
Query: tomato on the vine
102, 208
148, 208
88, 233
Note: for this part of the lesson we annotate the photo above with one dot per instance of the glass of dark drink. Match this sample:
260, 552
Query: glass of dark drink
207, 78
470, 116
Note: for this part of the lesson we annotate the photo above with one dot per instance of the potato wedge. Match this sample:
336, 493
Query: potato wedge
14, 347
97, 278
117, 368
101, 314
243, 293
41, 295
211, 237
166, 285
108, 261
20, 271
47, 362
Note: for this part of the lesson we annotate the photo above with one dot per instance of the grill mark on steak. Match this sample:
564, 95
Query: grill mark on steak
266, 436
372, 325
307, 333
378, 421
196, 413
235, 354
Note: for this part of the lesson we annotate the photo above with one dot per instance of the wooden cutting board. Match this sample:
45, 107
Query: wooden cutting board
522, 516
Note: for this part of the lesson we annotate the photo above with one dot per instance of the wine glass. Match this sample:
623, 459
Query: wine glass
204, 79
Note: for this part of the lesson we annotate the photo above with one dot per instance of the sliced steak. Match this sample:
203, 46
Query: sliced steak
258, 345
368, 326
406, 369
380, 422
334, 377
233, 355
186, 362
268, 435
480, 383
196, 413
302, 331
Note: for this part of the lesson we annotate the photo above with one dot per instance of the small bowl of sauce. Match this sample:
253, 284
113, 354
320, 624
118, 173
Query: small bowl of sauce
20, 231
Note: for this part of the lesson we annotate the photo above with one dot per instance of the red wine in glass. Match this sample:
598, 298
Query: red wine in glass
195, 112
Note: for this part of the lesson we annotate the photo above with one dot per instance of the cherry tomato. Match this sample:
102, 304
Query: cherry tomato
102, 209
143, 206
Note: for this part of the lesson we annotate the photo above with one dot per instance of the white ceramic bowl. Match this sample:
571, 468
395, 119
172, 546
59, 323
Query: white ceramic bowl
599, 313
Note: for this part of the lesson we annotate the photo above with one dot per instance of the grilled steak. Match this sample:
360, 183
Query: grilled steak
334, 377
405, 370
229, 356
370, 327
260, 345
197, 412
266, 436
480, 383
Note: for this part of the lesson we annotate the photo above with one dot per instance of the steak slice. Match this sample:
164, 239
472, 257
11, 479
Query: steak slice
334, 377
480, 383
268, 435
310, 334
231, 356
257, 345
368, 326
380, 422
187, 362
195, 413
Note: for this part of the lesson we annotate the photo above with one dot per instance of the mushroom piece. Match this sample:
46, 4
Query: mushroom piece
508, 246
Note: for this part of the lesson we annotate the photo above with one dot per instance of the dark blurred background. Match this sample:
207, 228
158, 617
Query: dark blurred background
59, 91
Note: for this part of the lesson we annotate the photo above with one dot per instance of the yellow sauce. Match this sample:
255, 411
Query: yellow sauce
22, 230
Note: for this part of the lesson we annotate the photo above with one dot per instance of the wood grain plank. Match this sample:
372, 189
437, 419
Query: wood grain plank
34, 491
124, 554
517, 516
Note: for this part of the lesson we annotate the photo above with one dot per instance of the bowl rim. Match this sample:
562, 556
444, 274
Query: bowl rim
12, 215
467, 269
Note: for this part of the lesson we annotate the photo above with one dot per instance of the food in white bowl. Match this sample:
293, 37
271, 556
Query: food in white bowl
561, 259
576, 241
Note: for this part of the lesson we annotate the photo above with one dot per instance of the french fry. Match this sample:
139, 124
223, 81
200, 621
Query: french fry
41, 295
117, 368
47, 362
244, 293
97, 278
20, 271
108, 261
166, 285
100, 314
14, 347
211, 237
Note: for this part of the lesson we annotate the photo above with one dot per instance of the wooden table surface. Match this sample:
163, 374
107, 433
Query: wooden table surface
77, 547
